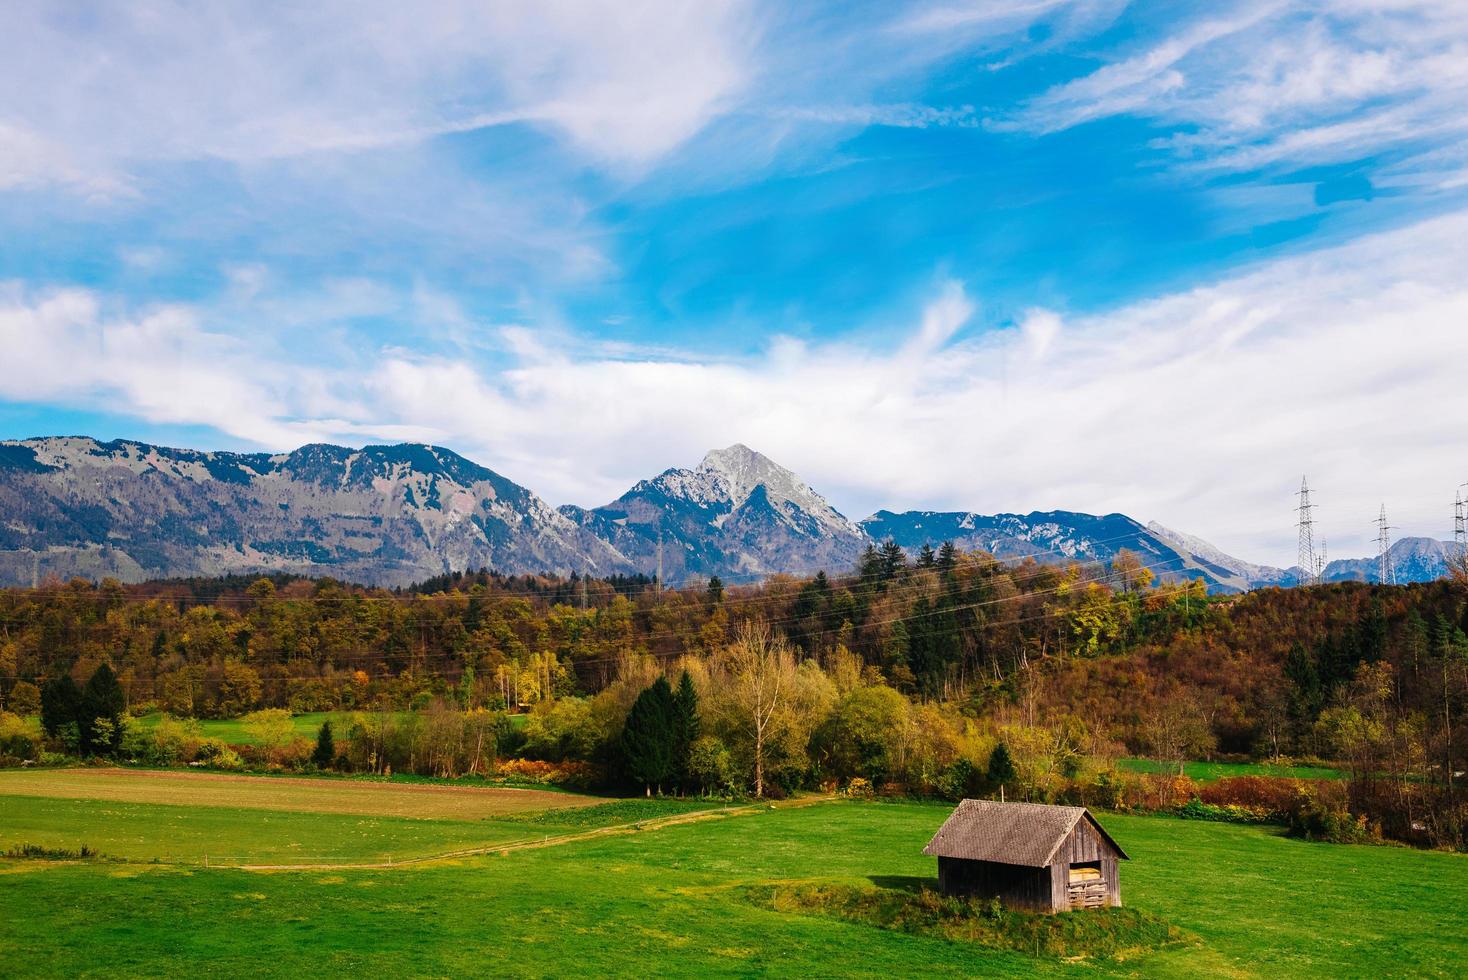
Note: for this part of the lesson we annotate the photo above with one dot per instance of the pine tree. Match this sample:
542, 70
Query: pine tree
947, 557
869, 568
324, 755
466, 685
894, 559
648, 736
927, 558
99, 721
1001, 767
715, 593
61, 702
686, 729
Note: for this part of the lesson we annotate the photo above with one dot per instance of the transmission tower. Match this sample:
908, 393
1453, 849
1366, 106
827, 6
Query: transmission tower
1460, 525
1320, 562
1384, 548
1309, 566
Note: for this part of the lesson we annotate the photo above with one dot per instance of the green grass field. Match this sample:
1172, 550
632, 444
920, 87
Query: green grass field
1205, 772
672, 900
233, 732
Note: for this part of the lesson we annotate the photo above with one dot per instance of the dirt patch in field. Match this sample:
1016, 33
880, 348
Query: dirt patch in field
424, 801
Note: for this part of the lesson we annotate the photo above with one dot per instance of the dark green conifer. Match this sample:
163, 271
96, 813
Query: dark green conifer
103, 704
648, 737
1001, 767
894, 559
324, 754
947, 557
686, 729
61, 702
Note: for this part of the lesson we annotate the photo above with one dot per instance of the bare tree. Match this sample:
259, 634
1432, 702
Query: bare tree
760, 666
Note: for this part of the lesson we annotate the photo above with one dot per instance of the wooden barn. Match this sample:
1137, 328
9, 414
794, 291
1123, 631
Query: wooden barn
1028, 855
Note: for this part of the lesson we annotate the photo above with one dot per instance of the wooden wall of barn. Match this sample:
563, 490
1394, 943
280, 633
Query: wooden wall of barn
1016, 885
1083, 846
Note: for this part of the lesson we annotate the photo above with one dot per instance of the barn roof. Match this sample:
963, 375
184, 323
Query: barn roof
1010, 833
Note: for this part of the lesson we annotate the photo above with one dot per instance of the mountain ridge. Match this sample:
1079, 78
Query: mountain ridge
400, 513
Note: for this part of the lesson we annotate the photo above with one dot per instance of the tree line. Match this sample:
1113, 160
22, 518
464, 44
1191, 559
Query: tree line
904, 671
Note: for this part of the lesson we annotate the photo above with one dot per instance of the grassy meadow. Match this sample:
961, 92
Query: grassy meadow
1207, 772
670, 898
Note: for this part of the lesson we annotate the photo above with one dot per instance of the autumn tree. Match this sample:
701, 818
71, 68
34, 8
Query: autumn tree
759, 669
271, 728
25, 698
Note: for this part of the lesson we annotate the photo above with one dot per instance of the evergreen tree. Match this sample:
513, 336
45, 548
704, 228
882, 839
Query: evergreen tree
61, 702
927, 558
466, 684
894, 559
648, 736
324, 754
947, 557
1305, 691
1001, 767
715, 592
102, 706
686, 728
869, 567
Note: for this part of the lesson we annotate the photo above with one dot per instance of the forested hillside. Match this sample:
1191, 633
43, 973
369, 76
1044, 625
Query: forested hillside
895, 673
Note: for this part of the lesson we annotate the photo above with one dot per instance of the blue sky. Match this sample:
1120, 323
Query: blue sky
1149, 257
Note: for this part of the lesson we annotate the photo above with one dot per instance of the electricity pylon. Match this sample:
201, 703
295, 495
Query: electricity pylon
1309, 567
1384, 548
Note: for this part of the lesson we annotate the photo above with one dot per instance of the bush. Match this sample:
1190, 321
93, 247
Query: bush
960, 780
1107, 933
1315, 819
1196, 809
581, 775
1270, 796
212, 752
19, 742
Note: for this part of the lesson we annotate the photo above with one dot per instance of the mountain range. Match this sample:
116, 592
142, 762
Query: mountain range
394, 515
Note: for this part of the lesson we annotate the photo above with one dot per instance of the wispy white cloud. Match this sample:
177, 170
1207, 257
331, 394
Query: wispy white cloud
90, 90
1267, 82
1199, 409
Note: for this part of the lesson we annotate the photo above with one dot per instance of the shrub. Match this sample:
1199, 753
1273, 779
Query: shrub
1107, 933
37, 852
1315, 819
576, 774
19, 742
1269, 796
1196, 809
214, 753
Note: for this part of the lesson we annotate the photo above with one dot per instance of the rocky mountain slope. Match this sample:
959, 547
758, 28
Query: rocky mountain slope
392, 515
1050, 536
386, 515
737, 514
1411, 559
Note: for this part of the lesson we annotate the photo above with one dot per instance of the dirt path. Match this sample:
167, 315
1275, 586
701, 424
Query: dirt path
637, 826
